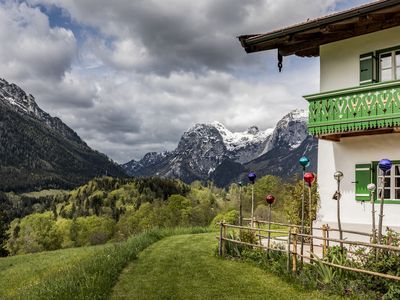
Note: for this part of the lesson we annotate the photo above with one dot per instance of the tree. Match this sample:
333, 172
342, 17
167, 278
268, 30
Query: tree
293, 206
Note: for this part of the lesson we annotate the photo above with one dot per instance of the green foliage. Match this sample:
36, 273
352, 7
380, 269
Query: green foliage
293, 206
325, 274
107, 208
230, 217
34, 233
35, 156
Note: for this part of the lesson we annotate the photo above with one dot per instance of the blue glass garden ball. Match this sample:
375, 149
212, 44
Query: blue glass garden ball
385, 165
304, 161
252, 177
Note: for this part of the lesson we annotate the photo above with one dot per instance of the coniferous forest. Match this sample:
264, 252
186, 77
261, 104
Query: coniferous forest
109, 209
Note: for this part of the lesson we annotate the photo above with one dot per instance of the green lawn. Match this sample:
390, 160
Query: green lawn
185, 267
24, 270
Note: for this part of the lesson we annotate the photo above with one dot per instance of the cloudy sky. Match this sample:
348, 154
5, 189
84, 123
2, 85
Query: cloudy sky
130, 76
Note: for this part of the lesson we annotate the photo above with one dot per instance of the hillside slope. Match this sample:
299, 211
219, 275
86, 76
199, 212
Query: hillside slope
38, 151
185, 267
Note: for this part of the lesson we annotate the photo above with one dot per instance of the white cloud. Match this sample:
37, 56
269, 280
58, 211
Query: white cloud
145, 71
30, 48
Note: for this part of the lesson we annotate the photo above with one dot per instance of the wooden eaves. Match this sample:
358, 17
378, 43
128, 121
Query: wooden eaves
305, 38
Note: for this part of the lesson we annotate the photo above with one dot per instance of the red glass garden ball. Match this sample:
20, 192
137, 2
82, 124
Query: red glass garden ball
309, 178
270, 199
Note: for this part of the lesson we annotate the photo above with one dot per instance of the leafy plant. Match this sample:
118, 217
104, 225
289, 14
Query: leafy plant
325, 274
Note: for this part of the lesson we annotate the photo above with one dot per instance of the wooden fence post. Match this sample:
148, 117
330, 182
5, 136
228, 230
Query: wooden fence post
259, 232
294, 252
288, 248
224, 241
220, 239
324, 249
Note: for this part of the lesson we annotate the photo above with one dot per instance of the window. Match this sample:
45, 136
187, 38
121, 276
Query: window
389, 65
392, 183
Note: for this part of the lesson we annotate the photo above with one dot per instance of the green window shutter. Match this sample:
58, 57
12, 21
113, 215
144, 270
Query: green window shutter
363, 178
367, 68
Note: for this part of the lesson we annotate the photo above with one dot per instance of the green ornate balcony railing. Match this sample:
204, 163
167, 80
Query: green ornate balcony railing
364, 107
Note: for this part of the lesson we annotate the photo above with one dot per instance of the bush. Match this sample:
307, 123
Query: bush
230, 217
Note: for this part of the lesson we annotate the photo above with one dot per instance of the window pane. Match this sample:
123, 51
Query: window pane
397, 182
397, 170
398, 58
398, 73
386, 60
397, 194
387, 193
386, 75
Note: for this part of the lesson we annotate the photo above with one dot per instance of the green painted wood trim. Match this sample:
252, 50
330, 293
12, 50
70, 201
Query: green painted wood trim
352, 90
360, 108
379, 201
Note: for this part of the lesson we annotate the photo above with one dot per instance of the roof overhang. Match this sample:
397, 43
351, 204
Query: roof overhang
305, 38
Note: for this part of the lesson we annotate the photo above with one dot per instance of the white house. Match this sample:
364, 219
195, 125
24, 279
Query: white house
356, 113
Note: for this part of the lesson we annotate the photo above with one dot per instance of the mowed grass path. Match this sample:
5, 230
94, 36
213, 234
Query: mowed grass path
23, 270
185, 267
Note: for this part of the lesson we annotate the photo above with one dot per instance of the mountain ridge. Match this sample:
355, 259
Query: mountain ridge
209, 151
39, 151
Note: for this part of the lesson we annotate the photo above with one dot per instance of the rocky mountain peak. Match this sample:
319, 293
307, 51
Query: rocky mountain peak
38, 151
253, 130
16, 98
210, 151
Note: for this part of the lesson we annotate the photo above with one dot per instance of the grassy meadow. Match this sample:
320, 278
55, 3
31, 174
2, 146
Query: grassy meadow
186, 267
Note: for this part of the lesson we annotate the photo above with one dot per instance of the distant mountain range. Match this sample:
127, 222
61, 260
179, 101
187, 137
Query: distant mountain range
212, 152
39, 151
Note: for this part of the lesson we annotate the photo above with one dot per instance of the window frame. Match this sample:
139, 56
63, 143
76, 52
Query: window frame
376, 179
378, 70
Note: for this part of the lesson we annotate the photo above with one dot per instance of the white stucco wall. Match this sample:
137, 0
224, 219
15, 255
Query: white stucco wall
339, 68
343, 156
339, 61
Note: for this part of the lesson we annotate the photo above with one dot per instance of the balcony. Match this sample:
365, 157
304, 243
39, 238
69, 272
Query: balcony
362, 110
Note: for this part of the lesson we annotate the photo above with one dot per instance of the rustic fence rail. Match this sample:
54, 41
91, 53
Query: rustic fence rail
290, 241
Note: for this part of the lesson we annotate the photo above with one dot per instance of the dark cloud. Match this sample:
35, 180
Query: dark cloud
142, 72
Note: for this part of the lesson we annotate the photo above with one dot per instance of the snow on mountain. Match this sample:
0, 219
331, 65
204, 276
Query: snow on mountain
18, 100
208, 151
39, 151
291, 130
238, 140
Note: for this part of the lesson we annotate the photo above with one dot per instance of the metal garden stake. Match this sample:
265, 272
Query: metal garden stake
270, 199
385, 165
304, 162
338, 177
371, 188
252, 178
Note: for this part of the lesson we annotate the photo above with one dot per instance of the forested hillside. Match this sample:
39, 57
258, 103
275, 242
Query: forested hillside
38, 151
109, 209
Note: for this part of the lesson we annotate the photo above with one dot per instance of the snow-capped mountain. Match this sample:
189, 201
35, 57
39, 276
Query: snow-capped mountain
16, 98
212, 152
244, 146
39, 151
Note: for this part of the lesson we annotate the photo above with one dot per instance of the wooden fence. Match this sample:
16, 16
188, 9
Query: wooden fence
290, 240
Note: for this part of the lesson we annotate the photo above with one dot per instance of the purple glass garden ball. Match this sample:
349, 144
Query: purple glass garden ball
385, 164
252, 177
